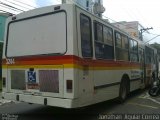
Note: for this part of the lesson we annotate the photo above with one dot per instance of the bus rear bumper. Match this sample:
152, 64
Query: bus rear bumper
50, 101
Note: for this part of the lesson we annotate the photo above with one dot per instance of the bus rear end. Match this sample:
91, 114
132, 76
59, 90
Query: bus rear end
36, 59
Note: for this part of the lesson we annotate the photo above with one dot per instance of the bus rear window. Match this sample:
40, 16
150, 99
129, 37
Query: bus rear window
37, 35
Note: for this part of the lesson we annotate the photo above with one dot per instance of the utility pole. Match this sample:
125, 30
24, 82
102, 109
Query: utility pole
143, 30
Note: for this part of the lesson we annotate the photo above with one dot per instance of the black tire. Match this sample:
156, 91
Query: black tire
123, 91
153, 91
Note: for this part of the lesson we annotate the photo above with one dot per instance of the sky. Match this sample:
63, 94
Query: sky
144, 11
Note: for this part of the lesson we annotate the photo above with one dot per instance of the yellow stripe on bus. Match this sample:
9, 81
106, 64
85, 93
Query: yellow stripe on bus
65, 66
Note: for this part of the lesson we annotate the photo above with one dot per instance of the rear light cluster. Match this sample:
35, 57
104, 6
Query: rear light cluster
69, 86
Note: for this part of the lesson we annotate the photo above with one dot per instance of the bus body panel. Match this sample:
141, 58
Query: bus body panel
65, 78
33, 74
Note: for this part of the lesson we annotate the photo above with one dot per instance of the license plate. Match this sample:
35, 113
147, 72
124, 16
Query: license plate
33, 86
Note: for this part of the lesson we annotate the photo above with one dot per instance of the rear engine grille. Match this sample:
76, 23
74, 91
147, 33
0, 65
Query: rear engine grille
49, 81
18, 79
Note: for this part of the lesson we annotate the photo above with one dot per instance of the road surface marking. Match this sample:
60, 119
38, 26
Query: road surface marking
2, 101
147, 96
142, 105
153, 100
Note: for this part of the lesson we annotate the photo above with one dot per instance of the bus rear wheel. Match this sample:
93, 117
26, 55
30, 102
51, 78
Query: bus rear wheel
123, 91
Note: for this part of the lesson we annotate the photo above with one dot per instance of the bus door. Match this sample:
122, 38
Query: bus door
142, 62
84, 29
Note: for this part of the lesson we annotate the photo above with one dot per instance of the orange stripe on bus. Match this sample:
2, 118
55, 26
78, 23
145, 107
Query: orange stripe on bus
69, 59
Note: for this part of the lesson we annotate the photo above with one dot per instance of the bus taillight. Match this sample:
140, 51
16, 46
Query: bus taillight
69, 86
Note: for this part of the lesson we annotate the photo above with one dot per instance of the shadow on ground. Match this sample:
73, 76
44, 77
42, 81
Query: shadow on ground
86, 113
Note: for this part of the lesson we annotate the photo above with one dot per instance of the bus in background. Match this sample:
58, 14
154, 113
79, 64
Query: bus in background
67, 57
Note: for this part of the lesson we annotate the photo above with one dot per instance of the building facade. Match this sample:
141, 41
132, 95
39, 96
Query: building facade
133, 28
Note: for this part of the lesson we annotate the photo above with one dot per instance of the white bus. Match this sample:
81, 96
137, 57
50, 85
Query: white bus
67, 57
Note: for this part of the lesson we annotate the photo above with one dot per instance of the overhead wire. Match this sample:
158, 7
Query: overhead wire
17, 4
8, 8
6, 12
15, 9
11, 6
112, 19
74, 3
24, 3
102, 14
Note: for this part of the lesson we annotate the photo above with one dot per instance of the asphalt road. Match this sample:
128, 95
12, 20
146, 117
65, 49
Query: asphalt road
138, 103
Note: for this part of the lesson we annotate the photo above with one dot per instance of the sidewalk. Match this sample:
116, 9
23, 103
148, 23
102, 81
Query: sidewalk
3, 101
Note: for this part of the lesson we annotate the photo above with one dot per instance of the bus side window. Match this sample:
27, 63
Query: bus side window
118, 40
108, 43
86, 36
99, 47
103, 42
149, 55
122, 51
125, 48
133, 50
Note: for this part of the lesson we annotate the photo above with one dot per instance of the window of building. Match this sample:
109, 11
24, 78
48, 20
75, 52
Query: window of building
86, 36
